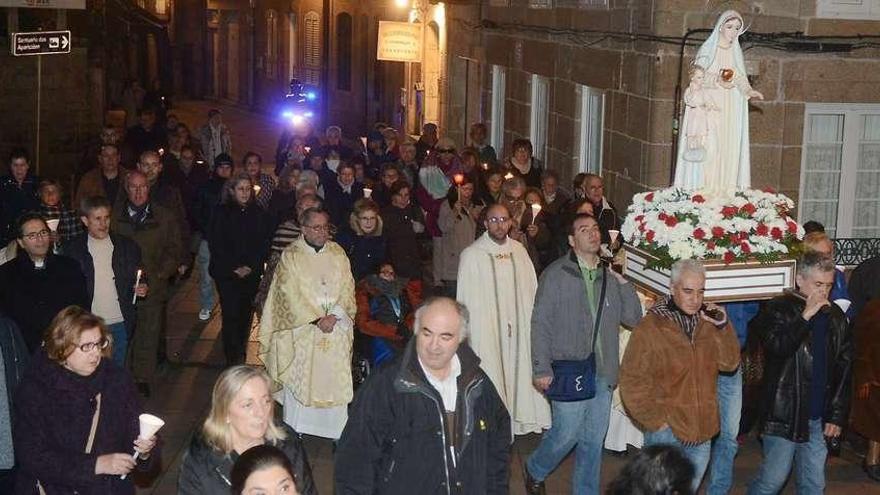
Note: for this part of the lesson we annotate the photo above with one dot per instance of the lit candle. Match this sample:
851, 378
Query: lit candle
161, 151
308, 149
364, 141
485, 166
137, 281
536, 208
368, 192
508, 175
257, 189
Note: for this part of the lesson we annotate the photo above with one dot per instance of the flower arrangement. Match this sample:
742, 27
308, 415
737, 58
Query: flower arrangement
674, 223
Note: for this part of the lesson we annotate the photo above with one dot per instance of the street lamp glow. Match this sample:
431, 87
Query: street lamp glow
401, 3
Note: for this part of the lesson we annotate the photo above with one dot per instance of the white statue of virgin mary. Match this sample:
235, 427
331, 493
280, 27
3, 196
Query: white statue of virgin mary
718, 162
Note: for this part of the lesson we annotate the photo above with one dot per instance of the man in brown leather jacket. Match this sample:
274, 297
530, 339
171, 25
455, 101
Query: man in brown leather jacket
669, 372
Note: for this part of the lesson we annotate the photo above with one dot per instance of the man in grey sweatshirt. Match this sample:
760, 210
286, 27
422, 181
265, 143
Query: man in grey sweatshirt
569, 297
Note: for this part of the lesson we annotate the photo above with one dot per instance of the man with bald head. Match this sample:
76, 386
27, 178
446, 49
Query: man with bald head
497, 282
430, 421
156, 231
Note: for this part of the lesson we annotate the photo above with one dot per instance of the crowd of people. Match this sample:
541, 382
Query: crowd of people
418, 302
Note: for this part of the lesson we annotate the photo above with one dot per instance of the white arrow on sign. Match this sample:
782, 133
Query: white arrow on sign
64, 42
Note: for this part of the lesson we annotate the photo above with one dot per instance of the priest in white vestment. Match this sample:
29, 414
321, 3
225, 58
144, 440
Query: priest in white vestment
306, 330
497, 283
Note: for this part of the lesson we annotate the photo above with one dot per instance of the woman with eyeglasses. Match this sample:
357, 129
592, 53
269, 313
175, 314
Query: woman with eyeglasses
75, 423
362, 239
239, 242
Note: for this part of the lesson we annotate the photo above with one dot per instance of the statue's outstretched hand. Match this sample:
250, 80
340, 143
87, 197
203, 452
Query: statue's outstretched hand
755, 95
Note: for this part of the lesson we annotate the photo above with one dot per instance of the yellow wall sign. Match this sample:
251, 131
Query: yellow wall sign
399, 42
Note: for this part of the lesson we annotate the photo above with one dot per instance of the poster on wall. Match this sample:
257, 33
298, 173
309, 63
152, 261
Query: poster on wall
44, 4
399, 42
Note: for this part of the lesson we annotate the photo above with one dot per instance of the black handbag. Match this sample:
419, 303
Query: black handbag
575, 380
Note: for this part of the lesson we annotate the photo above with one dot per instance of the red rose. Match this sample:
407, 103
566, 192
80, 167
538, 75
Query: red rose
748, 209
769, 190
661, 216
699, 234
733, 238
710, 245
776, 233
729, 211
640, 218
641, 227
792, 228
671, 221
698, 199
649, 236
745, 248
743, 236
649, 197
729, 257
718, 232
762, 229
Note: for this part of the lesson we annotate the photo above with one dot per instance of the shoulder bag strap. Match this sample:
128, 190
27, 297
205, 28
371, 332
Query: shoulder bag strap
95, 419
601, 304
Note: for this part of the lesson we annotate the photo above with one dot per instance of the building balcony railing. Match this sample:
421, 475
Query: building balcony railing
851, 252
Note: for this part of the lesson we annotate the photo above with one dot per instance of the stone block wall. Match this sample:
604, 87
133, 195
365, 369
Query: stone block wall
639, 79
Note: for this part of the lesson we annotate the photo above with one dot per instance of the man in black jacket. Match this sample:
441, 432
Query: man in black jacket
13, 361
37, 284
110, 263
429, 423
806, 385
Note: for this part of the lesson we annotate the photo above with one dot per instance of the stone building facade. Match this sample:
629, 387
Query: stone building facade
614, 66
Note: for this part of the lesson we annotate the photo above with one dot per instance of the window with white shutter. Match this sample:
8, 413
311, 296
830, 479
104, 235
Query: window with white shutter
591, 110
840, 169
539, 114
499, 83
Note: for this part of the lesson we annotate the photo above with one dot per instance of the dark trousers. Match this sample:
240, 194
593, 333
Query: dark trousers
7, 480
237, 305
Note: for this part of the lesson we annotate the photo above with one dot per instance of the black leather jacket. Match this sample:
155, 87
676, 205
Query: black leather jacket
786, 340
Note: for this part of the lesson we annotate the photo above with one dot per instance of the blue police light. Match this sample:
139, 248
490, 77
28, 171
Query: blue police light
311, 95
287, 114
308, 115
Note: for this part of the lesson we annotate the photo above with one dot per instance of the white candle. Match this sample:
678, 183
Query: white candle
368, 192
257, 189
536, 208
137, 281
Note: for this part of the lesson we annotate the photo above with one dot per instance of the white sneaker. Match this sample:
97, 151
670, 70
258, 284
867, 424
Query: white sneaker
205, 314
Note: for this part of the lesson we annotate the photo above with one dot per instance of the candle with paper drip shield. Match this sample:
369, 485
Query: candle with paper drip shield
257, 189
149, 426
368, 192
536, 208
53, 226
613, 235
